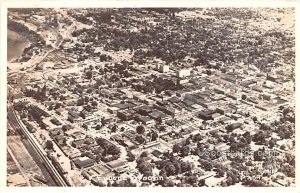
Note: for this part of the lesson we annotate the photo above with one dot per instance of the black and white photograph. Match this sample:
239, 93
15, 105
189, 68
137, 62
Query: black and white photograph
150, 96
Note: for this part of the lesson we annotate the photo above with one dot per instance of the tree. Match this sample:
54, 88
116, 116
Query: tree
226, 137
66, 127
243, 140
140, 160
220, 172
286, 111
101, 184
98, 127
101, 141
58, 105
201, 182
88, 142
168, 183
147, 174
234, 147
144, 167
282, 147
170, 169
248, 137
260, 137
49, 144
94, 103
144, 154
254, 183
113, 150
140, 139
89, 74
154, 136
187, 141
185, 150
103, 122
208, 72
191, 179
43, 125
185, 167
231, 139
244, 97
272, 143
80, 102
140, 129
229, 181
88, 108
207, 165
254, 119
258, 155
114, 128
82, 114
281, 134
130, 156
176, 148
288, 170
177, 166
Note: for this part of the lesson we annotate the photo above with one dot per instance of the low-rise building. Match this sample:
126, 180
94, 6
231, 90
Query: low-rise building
83, 162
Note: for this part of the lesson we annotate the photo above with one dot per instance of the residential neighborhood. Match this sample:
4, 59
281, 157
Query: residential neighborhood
153, 97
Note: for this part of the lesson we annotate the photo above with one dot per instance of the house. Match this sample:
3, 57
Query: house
118, 166
73, 116
58, 165
128, 144
38, 111
171, 111
60, 140
182, 80
206, 114
219, 90
113, 110
77, 135
116, 163
82, 142
144, 110
157, 153
174, 99
107, 119
196, 98
55, 121
56, 131
233, 126
60, 111
145, 120
126, 114
225, 109
233, 95
90, 124
88, 174
151, 144
158, 115
83, 162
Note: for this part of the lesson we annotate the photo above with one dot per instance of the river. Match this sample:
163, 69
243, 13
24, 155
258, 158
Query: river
15, 45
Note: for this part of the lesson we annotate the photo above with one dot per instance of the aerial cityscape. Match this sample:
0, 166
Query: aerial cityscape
151, 97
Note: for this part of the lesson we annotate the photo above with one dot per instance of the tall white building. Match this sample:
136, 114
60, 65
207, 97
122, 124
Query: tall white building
162, 68
183, 73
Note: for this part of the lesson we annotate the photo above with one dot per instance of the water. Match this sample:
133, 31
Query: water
15, 45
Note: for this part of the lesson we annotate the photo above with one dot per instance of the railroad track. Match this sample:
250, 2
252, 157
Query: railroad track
20, 128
